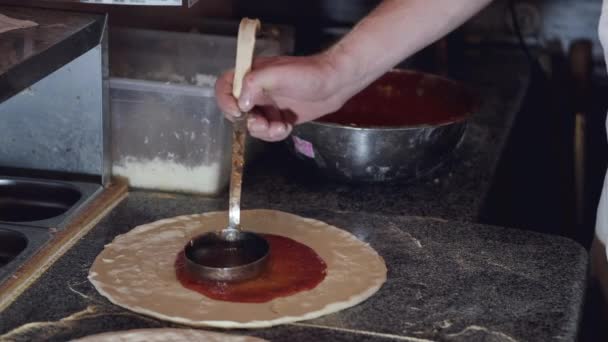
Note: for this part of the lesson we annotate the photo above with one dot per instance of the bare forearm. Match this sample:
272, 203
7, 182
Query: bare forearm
282, 91
395, 30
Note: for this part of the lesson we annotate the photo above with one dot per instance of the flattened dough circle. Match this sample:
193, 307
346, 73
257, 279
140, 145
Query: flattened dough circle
166, 334
136, 271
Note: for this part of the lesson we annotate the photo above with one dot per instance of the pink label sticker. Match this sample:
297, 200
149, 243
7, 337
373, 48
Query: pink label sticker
304, 147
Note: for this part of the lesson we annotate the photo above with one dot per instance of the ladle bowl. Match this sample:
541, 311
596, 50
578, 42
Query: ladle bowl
229, 255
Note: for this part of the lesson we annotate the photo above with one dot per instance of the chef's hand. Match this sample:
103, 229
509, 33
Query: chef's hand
283, 91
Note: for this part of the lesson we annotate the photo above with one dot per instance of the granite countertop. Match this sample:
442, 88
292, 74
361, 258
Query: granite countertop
449, 279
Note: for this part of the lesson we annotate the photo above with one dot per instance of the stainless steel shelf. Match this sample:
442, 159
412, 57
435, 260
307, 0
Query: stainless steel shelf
28, 55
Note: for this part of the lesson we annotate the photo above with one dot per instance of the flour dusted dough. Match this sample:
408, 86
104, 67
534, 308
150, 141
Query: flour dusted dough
164, 335
136, 271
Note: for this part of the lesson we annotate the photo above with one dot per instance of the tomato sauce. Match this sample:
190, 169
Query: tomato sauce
292, 268
403, 98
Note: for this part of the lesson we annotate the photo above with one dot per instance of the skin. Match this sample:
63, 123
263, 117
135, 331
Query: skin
280, 92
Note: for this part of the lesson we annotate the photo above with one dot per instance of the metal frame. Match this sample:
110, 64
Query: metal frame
43, 130
36, 238
189, 3
88, 192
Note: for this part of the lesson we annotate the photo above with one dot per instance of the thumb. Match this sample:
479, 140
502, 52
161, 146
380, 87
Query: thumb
257, 88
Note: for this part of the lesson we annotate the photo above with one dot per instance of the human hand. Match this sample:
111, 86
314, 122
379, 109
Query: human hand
280, 92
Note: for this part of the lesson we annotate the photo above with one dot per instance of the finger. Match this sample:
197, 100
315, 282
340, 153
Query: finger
257, 125
257, 88
270, 125
277, 128
278, 131
223, 92
260, 83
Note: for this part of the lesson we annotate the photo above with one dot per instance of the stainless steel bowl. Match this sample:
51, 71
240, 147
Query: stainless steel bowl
403, 149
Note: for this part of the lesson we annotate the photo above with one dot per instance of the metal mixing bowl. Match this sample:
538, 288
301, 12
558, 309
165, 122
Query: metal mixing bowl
403, 149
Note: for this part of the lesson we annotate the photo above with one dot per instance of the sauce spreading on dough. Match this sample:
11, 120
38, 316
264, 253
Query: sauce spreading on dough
405, 99
292, 268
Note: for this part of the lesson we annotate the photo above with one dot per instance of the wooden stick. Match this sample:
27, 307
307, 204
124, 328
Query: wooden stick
244, 53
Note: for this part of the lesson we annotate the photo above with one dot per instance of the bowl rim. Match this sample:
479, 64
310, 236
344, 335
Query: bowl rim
461, 119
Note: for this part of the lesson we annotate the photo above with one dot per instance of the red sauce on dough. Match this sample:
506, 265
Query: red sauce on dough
405, 98
292, 268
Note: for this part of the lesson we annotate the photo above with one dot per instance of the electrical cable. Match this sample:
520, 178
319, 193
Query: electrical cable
534, 63
517, 29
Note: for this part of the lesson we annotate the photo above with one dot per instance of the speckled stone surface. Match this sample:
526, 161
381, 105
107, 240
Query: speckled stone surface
447, 281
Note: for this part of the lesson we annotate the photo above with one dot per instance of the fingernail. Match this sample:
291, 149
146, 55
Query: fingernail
255, 126
258, 126
278, 132
245, 104
237, 114
281, 129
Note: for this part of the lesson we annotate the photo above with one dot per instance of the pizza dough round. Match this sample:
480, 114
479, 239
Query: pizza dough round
136, 271
166, 334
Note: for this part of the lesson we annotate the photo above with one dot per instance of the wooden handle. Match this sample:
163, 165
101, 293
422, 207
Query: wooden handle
244, 58
244, 53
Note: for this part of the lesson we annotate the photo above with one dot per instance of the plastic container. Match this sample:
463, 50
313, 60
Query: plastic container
167, 132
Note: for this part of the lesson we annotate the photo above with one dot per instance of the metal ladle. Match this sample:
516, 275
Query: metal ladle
231, 254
